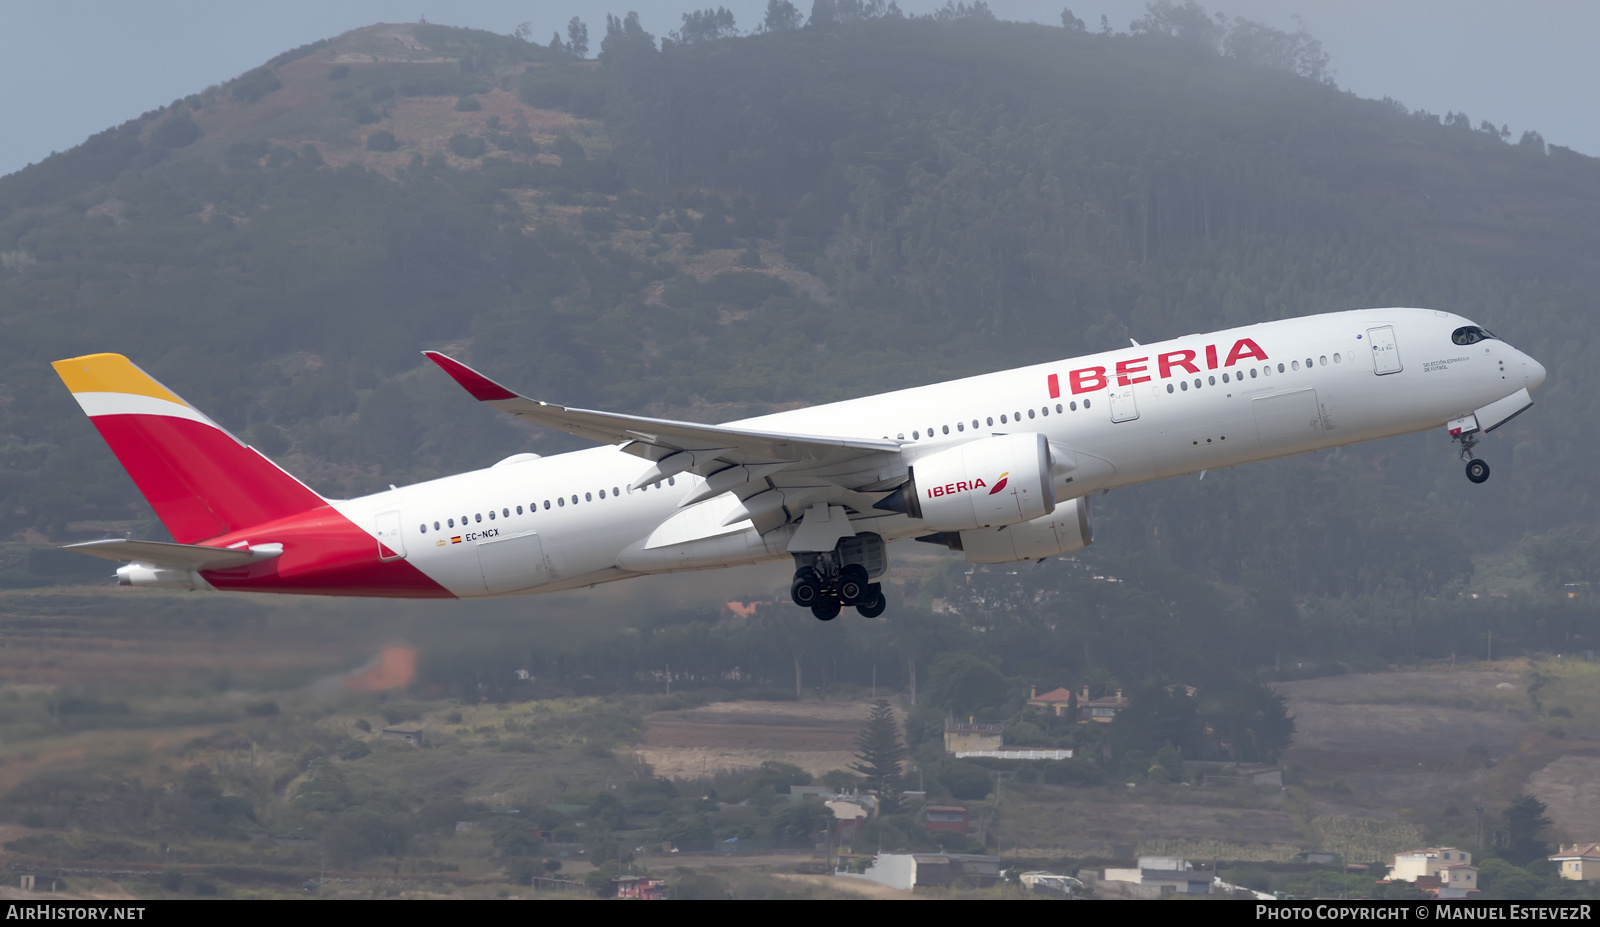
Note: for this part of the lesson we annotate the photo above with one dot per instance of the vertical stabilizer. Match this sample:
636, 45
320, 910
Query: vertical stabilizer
202, 481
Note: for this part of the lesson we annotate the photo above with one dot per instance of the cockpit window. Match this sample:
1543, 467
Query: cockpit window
1470, 334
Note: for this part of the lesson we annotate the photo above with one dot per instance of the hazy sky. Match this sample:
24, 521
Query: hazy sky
70, 68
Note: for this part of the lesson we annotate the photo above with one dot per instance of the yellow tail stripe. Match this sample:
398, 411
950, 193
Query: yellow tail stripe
110, 373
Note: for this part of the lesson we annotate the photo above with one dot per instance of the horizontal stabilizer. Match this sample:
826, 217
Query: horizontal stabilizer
176, 556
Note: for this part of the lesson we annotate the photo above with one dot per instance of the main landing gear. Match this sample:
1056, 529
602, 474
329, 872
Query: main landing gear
827, 588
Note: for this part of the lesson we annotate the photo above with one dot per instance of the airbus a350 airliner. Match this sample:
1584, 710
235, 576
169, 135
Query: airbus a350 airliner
999, 466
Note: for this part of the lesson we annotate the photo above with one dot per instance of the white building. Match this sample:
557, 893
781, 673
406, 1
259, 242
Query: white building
1413, 864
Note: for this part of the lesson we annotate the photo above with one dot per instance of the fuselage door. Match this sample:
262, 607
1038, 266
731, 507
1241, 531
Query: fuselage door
1123, 408
1385, 353
391, 543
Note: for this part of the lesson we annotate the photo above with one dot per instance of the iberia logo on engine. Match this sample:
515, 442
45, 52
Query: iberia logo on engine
950, 489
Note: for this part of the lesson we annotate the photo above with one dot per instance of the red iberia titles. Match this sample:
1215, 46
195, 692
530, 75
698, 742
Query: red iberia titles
962, 486
1133, 370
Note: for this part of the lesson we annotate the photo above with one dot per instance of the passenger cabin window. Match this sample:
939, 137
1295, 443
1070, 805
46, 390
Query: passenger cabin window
1030, 413
478, 517
423, 528
1169, 387
1336, 357
1470, 334
961, 426
491, 514
1002, 419
1295, 364
560, 500
990, 420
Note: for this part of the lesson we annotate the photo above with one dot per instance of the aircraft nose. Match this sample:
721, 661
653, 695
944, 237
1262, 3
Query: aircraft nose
1533, 371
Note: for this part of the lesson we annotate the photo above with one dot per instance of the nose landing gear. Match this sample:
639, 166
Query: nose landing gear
1466, 431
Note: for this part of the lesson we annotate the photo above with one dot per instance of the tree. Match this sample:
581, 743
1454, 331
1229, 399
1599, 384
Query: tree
577, 37
1261, 45
625, 38
964, 684
879, 749
706, 26
1524, 821
1187, 22
1255, 720
782, 16
1070, 22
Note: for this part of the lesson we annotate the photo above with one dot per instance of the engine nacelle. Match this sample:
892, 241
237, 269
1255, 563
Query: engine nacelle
1003, 480
143, 574
1063, 531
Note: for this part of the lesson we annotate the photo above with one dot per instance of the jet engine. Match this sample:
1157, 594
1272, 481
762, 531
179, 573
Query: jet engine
1067, 529
987, 483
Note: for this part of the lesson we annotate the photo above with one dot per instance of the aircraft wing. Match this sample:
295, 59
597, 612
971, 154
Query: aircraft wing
657, 439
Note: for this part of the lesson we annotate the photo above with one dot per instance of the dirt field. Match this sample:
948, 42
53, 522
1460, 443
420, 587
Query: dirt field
816, 736
1103, 822
1404, 738
1570, 789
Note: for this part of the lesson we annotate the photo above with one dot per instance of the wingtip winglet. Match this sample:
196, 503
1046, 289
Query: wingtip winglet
479, 386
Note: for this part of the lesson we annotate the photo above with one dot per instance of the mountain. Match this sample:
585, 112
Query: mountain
719, 227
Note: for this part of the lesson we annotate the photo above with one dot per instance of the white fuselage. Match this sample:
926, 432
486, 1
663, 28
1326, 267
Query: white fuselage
1189, 404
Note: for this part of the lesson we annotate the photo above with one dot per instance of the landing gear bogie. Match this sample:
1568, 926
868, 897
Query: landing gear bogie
827, 583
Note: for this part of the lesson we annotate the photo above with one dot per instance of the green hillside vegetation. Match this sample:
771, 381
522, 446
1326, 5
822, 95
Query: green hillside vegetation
718, 226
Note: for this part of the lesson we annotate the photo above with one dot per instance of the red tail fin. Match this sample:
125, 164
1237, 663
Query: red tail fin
202, 481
